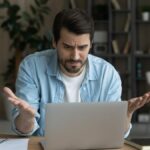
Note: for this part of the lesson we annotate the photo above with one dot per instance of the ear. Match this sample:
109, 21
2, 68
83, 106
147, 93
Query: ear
53, 43
91, 44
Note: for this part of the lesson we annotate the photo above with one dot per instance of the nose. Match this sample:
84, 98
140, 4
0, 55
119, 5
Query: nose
75, 54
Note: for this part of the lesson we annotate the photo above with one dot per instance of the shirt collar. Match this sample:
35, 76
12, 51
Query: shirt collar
52, 66
91, 70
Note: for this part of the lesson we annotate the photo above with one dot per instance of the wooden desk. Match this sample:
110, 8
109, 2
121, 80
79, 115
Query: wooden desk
34, 143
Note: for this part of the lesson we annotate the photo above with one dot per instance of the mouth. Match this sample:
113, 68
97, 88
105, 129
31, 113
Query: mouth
74, 63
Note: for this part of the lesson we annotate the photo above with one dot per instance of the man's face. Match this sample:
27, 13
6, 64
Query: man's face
72, 52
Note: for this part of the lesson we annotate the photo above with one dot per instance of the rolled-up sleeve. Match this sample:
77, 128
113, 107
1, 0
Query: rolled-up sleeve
36, 126
128, 132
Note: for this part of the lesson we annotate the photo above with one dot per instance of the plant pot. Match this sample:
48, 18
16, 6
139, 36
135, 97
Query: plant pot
145, 16
148, 77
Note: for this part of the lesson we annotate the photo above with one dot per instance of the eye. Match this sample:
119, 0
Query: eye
67, 46
82, 47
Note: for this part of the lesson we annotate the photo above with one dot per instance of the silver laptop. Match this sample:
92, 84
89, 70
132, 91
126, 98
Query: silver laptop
71, 126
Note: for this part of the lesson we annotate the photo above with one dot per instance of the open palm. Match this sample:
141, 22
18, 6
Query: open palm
25, 108
138, 102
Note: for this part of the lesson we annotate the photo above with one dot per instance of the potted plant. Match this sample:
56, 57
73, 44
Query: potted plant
23, 28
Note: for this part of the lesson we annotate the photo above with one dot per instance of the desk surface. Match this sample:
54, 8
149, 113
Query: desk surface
34, 143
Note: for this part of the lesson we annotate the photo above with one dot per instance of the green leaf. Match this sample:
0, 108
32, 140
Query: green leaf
2, 5
32, 30
5, 4
15, 32
37, 3
26, 16
41, 19
44, 1
33, 10
45, 10
5, 24
13, 10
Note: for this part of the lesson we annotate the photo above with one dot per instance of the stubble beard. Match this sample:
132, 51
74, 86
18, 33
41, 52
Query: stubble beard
72, 69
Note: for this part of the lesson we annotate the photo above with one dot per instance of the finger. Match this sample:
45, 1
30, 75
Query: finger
30, 110
134, 104
8, 92
141, 102
27, 109
17, 102
13, 101
146, 98
23, 106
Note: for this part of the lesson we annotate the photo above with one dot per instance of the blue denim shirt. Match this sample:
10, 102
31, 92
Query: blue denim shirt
39, 82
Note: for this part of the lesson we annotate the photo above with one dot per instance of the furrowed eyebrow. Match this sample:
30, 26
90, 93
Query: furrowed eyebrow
65, 44
79, 46
82, 46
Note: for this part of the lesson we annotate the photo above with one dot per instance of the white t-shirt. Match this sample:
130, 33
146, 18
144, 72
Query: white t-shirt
72, 87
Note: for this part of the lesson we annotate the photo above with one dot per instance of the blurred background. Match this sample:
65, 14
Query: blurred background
122, 29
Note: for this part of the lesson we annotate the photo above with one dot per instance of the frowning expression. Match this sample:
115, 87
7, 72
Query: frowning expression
72, 51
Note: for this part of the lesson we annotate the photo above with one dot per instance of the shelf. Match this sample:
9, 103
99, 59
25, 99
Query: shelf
120, 33
101, 21
142, 55
142, 22
141, 79
121, 11
125, 74
112, 55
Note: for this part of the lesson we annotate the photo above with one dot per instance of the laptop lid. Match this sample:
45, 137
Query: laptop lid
85, 125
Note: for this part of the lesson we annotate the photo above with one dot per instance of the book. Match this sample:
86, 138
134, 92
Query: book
115, 46
127, 46
127, 23
116, 4
72, 4
139, 143
129, 4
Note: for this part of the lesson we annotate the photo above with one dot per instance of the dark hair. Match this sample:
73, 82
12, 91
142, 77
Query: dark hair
74, 20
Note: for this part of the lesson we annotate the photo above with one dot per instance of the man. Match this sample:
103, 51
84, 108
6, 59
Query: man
67, 74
